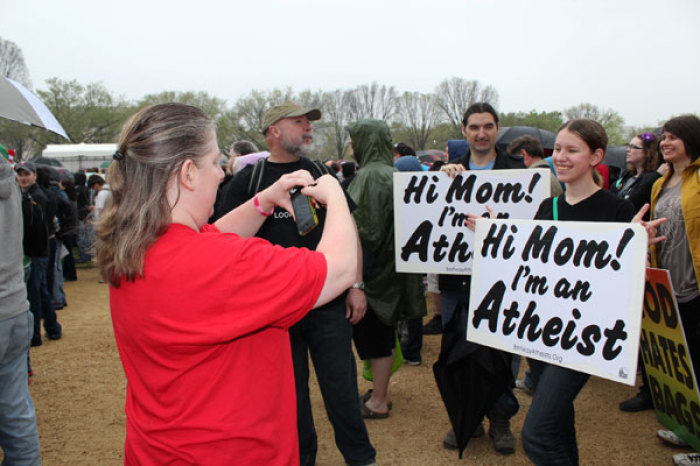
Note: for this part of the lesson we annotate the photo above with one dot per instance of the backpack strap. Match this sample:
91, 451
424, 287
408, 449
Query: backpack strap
555, 208
322, 169
256, 177
259, 169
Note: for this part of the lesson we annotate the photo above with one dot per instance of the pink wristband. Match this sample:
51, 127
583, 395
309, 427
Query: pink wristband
256, 203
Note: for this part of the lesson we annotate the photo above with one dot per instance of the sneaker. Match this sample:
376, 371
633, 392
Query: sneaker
501, 435
36, 341
434, 326
672, 439
640, 402
520, 385
686, 459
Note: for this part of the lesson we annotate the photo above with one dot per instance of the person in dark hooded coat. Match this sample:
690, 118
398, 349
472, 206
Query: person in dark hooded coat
391, 296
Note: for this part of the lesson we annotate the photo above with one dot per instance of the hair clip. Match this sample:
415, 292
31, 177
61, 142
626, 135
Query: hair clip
118, 155
648, 137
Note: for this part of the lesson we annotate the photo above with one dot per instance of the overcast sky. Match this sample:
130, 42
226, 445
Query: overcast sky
638, 57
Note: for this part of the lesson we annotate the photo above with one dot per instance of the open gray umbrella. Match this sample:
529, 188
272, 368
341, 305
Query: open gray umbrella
508, 134
17, 103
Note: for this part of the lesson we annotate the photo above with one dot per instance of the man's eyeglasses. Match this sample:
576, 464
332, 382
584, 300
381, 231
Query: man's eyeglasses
632, 146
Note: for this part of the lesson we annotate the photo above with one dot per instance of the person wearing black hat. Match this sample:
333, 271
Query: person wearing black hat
324, 333
36, 247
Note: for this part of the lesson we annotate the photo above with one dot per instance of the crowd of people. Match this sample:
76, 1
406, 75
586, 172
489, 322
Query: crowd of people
46, 219
219, 299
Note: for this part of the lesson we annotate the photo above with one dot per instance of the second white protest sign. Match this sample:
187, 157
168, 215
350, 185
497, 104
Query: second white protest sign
567, 293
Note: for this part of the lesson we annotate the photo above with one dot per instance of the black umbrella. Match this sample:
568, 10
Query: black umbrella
508, 134
56, 172
470, 378
616, 156
46, 161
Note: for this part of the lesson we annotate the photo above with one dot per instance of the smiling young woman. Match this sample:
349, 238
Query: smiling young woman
549, 434
676, 196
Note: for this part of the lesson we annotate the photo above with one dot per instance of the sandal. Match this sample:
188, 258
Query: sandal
367, 413
368, 395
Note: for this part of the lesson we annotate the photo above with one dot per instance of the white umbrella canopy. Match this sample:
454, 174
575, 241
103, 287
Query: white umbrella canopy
17, 103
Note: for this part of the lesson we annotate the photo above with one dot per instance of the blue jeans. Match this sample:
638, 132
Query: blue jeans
86, 236
57, 293
456, 301
19, 438
40, 302
326, 335
549, 433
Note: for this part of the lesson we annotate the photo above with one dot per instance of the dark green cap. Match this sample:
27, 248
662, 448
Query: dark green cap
288, 110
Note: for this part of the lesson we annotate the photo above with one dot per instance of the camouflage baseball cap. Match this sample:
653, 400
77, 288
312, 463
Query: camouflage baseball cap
288, 110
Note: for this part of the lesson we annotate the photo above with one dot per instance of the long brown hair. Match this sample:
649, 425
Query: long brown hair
152, 147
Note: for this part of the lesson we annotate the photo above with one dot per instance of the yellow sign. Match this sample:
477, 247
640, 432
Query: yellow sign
667, 360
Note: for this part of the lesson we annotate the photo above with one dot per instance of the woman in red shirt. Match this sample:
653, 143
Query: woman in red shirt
201, 312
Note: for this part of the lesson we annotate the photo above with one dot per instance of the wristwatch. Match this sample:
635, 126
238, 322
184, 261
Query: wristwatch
358, 286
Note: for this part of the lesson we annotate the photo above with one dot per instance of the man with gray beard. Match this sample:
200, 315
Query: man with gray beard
324, 333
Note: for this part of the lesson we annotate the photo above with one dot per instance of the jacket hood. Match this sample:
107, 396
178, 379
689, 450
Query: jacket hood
7, 179
371, 142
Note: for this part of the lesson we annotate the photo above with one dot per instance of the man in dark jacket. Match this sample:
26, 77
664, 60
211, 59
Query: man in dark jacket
480, 129
36, 247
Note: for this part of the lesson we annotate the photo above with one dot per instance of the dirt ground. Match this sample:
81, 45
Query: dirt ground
79, 386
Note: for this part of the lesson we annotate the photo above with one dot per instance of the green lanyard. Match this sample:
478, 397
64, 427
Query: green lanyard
555, 209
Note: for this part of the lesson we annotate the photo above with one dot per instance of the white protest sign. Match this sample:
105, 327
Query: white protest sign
567, 293
430, 213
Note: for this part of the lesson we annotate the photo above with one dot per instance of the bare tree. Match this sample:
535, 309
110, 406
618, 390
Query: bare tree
453, 96
418, 114
372, 101
610, 119
12, 63
336, 118
248, 112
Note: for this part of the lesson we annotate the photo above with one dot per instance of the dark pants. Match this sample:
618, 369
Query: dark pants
412, 348
549, 432
456, 301
690, 320
326, 335
70, 241
40, 302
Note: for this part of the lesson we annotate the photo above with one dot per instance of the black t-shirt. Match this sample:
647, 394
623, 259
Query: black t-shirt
601, 206
279, 228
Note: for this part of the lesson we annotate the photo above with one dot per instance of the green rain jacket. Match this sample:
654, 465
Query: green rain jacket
392, 296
